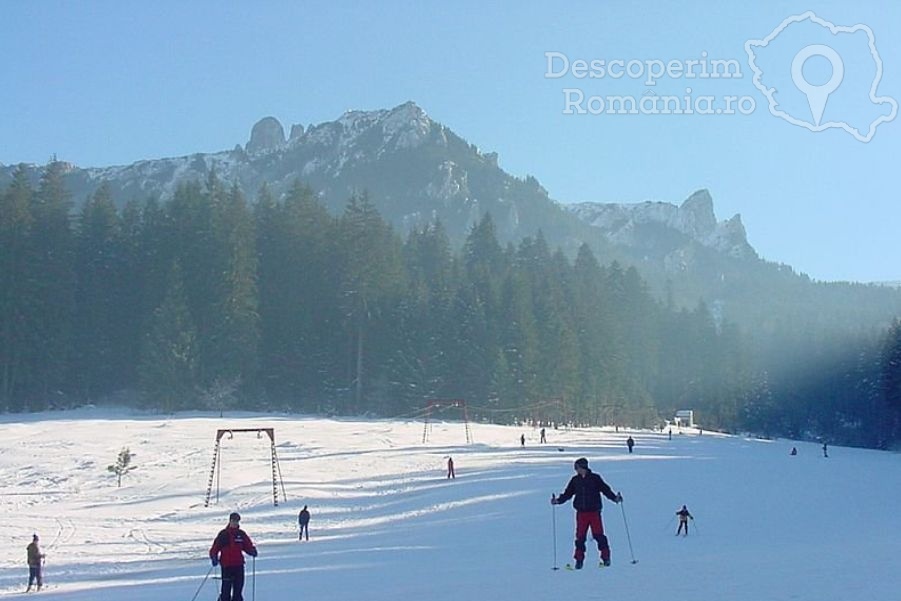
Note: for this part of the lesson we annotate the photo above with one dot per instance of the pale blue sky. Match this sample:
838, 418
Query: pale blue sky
104, 83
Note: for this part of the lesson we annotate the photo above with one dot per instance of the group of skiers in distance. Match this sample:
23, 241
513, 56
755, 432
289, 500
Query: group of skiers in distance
232, 543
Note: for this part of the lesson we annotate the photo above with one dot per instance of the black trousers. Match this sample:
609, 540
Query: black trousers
34, 573
232, 583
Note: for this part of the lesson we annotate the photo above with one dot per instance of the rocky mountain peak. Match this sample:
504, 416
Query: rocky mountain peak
267, 135
296, 132
697, 215
404, 126
694, 219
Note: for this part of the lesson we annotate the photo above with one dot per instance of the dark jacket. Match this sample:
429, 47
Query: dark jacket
34, 555
586, 491
303, 518
229, 544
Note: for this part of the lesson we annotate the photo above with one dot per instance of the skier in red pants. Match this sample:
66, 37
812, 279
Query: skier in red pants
586, 489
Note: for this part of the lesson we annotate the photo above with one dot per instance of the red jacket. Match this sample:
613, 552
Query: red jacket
229, 544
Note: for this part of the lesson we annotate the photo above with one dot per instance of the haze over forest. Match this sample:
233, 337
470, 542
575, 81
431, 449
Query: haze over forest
205, 298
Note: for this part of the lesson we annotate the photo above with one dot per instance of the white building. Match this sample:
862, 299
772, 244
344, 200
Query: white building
685, 417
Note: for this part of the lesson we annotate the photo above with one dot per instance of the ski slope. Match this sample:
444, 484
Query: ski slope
387, 525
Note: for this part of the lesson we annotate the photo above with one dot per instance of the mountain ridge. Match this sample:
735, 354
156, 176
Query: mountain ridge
417, 170
320, 153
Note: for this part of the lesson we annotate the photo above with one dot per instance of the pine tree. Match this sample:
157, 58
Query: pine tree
99, 298
168, 368
231, 347
299, 310
416, 329
192, 237
53, 274
372, 273
593, 314
518, 341
17, 292
891, 379
122, 466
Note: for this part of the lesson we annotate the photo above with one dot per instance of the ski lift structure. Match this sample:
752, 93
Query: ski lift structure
437, 405
216, 468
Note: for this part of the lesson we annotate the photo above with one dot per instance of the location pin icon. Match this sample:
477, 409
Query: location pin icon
817, 95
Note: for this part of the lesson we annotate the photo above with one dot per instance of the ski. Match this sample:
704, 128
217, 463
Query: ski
572, 568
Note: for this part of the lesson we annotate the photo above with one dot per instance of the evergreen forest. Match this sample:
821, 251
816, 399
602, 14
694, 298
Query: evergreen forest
209, 300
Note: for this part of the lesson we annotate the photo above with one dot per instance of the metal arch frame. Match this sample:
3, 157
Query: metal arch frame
217, 463
443, 403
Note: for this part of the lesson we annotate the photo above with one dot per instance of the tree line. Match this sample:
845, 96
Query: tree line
206, 300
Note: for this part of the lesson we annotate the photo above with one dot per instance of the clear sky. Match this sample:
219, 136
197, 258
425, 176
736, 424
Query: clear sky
105, 83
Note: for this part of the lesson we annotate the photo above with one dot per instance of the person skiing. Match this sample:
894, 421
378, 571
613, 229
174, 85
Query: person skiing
303, 520
684, 516
450, 468
522, 440
35, 559
630, 443
825, 450
543, 436
228, 550
586, 488
794, 451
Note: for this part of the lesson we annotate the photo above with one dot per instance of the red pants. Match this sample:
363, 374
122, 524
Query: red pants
584, 519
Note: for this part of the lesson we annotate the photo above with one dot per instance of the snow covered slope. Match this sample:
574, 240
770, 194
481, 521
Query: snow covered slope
388, 525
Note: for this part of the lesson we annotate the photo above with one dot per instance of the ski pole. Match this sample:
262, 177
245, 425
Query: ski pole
554, 520
202, 582
253, 580
628, 537
671, 520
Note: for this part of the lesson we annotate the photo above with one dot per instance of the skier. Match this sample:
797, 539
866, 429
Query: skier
35, 558
450, 468
630, 443
794, 451
825, 451
228, 548
543, 437
522, 440
684, 516
303, 520
587, 487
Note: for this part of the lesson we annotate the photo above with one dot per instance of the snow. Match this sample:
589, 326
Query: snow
386, 523
693, 218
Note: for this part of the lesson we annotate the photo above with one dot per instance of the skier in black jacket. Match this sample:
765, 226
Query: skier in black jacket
587, 487
303, 520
